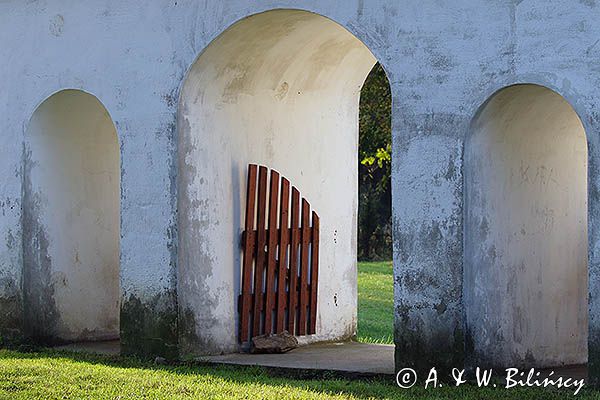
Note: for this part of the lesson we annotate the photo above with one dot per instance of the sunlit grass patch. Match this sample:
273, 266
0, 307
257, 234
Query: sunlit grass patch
375, 302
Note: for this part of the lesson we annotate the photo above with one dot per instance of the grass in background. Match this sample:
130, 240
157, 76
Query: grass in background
375, 302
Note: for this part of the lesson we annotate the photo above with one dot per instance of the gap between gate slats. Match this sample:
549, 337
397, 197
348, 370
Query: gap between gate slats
280, 259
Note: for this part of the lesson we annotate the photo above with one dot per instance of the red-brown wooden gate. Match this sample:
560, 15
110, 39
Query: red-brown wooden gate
280, 262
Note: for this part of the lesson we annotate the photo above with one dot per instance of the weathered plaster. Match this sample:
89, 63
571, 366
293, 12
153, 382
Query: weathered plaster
40, 315
525, 257
71, 220
443, 61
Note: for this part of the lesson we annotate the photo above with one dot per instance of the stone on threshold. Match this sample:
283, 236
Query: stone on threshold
273, 343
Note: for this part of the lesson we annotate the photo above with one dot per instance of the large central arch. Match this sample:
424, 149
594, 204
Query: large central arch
280, 88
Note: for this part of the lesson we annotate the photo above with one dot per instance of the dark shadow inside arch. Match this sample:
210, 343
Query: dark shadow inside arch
375, 270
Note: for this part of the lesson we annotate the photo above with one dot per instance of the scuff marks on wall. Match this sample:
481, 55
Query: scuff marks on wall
38, 289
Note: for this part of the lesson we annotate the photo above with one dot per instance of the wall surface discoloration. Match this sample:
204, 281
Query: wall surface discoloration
149, 328
525, 277
427, 250
40, 315
71, 220
443, 61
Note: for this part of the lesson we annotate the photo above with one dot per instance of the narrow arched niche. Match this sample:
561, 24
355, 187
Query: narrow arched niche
281, 89
525, 231
71, 179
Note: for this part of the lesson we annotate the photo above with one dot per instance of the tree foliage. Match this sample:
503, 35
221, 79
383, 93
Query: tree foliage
374, 169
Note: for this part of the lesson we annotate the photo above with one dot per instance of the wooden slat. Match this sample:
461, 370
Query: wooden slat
248, 257
284, 238
294, 247
260, 251
271, 253
286, 231
314, 274
305, 243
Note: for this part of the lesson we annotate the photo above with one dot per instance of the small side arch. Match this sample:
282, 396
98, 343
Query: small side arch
71, 220
525, 283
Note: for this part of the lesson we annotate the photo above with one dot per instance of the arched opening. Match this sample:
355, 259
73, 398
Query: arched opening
71, 189
525, 231
280, 89
375, 270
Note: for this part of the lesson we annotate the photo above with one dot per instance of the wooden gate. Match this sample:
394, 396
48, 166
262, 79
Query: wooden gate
280, 263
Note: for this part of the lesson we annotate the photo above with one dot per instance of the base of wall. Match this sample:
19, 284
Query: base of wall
413, 351
11, 309
149, 329
594, 358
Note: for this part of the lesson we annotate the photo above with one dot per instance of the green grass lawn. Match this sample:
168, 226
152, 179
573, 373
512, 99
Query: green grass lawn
50, 374
375, 302
61, 375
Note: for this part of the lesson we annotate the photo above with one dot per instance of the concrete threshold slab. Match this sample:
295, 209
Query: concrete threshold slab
350, 357
108, 347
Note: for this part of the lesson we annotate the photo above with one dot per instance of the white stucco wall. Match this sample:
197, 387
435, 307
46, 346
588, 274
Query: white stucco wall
526, 242
72, 200
443, 61
279, 89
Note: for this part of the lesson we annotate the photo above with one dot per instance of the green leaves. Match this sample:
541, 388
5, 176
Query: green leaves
374, 169
382, 156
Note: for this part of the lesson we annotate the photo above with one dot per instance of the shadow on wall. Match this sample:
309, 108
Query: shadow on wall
280, 89
525, 231
71, 220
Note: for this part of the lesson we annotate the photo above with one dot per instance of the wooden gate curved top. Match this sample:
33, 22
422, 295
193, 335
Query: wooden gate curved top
280, 262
